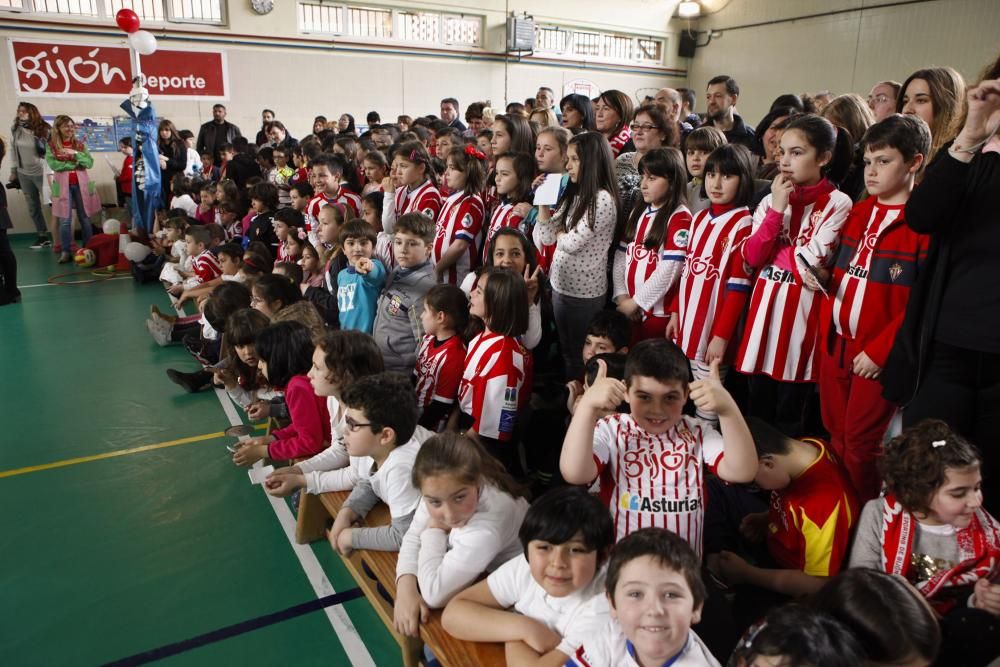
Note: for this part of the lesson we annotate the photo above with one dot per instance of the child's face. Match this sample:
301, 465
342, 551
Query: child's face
394, 172
207, 163
477, 302
799, 160
573, 163
194, 248
562, 569
444, 145
655, 609
958, 498
656, 406
296, 160
721, 188
310, 262
509, 254
319, 374
374, 173
292, 244
409, 250
501, 139
449, 500
298, 201
485, 147
227, 156
257, 205
208, 197
257, 302
696, 161
220, 194
124, 150
190, 142
230, 265
370, 215
548, 155
247, 354
173, 234
357, 248
596, 345
506, 178
655, 189
360, 441
429, 319
329, 228
887, 173
325, 180
410, 174
453, 177
771, 476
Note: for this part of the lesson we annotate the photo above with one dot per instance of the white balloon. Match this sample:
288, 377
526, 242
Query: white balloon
136, 251
143, 42
111, 226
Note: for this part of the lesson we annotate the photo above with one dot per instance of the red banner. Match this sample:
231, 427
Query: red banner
47, 69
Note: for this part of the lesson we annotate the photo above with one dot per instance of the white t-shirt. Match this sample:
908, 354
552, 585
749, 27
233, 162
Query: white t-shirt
445, 563
391, 483
610, 648
576, 617
186, 203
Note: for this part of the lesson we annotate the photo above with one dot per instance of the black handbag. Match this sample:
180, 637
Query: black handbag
40, 146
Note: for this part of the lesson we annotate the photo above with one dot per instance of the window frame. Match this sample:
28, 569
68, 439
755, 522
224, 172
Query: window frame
604, 39
104, 13
396, 38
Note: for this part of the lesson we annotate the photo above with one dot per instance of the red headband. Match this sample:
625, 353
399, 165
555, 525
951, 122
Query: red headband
471, 151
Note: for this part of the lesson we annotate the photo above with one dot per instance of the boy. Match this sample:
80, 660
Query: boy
878, 263
546, 603
608, 332
381, 418
299, 196
358, 285
697, 147
204, 264
283, 174
226, 153
208, 170
650, 461
123, 176
808, 525
327, 174
397, 322
655, 593
263, 202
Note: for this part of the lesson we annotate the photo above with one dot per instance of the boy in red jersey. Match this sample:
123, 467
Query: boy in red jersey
327, 172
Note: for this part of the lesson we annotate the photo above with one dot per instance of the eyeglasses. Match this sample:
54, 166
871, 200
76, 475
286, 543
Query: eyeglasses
880, 99
353, 426
643, 127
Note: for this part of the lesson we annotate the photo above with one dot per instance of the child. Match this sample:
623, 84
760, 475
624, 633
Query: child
497, 366
548, 599
796, 228
441, 356
371, 212
359, 285
467, 524
230, 218
513, 175
608, 332
299, 195
230, 262
206, 213
877, 264
124, 175
286, 222
272, 292
381, 418
797, 635
714, 282
510, 249
397, 323
295, 244
332, 218
226, 155
416, 191
284, 351
241, 374
376, 169
209, 171
282, 176
808, 525
312, 271
930, 526
327, 172
653, 244
204, 264
174, 249
650, 461
698, 145
582, 230
263, 202
655, 593
461, 218
180, 187
265, 160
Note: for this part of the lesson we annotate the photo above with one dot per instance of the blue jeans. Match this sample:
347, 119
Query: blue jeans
66, 224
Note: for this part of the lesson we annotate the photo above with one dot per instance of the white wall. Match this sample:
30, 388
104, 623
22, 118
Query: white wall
842, 53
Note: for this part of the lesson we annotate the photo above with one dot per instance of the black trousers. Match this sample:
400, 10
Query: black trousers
8, 270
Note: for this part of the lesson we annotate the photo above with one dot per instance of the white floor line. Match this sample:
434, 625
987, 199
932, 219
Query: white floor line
104, 280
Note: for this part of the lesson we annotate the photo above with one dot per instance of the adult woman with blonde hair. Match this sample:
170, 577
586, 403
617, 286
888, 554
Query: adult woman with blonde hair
173, 156
69, 158
850, 112
29, 134
544, 118
937, 95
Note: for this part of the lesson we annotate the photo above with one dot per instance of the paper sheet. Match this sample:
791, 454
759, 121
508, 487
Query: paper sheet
547, 194
258, 475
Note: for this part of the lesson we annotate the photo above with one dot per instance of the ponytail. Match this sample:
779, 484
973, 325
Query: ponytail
824, 136
843, 156
465, 459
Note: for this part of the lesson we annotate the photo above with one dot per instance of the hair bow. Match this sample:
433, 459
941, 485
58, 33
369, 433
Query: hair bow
471, 151
415, 157
302, 234
939, 443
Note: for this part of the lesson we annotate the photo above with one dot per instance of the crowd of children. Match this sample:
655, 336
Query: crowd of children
659, 431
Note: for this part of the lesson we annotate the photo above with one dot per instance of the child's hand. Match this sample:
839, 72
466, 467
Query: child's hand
522, 209
259, 410
531, 282
176, 290
387, 184
282, 486
630, 309
605, 394
986, 595
810, 281
364, 265
251, 451
541, 638
673, 323
410, 609
864, 367
716, 349
341, 541
710, 396
538, 181
734, 569
575, 388
440, 525
754, 526
781, 190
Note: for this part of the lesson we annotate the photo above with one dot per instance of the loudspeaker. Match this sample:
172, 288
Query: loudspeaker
687, 45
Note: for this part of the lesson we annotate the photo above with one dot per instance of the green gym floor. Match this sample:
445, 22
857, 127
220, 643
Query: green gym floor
168, 553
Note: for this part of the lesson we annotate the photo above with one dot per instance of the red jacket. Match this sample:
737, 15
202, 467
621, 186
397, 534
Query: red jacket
309, 432
897, 257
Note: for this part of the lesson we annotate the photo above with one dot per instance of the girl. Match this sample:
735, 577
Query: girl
551, 148
930, 526
513, 176
271, 293
714, 282
510, 249
697, 147
284, 351
496, 366
289, 236
653, 244
467, 524
416, 191
461, 217
376, 169
577, 113
511, 134
371, 212
332, 218
582, 230
651, 129
484, 142
256, 263
180, 186
173, 156
312, 272
354, 174
795, 231
937, 95
612, 116
69, 159
241, 374
441, 355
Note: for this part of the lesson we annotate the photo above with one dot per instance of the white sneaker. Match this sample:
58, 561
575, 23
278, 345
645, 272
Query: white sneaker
160, 331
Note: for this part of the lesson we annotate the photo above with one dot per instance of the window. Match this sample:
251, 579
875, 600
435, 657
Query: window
594, 45
463, 30
368, 22
71, 7
387, 24
155, 11
12, 4
420, 27
321, 18
196, 11
148, 10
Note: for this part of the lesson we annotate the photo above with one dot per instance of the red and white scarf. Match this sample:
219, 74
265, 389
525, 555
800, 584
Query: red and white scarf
619, 140
978, 551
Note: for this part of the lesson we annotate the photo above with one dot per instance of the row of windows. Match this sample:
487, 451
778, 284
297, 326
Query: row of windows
556, 40
190, 11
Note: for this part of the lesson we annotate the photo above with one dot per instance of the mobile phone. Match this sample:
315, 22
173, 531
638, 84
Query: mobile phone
812, 270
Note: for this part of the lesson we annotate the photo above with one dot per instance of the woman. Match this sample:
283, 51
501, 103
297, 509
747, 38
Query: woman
613, 111
345, 125
650, 129
173, 156
945, 362
279, 137
72, 189
937, 95
766, 141
882, 99
544, 118
8, 263
577, 113
29, 135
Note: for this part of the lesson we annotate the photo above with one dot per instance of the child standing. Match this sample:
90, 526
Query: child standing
359, 285
796, 229
551, 148
411, 188
653, 244
299, 196
282, 176
327, 173
461, 217
180, 188
441, 356
124, 175
312, 270
513, 174
697, 147
332, 218
467, 524
287, 223
376, 169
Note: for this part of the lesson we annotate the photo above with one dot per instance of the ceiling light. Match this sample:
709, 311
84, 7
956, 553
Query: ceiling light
688, 9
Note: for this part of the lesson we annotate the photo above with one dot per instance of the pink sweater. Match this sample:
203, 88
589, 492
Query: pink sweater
309, 432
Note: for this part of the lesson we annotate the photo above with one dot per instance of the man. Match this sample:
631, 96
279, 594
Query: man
546, 99
215, 133
449, 114
688, 99
266, 116
723, 93
670, 99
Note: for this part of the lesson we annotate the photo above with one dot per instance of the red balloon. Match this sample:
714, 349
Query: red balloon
127, 20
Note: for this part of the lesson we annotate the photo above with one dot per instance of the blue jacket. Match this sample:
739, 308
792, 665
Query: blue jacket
357, 296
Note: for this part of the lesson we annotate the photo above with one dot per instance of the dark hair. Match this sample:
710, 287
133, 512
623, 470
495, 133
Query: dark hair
36, 124
666, 163
450, 300
291, 270
449, 131
907, 134
207, 186
768, 440
515, 109
234, 250
734, 160
179, 223
825, 137
452, 101
376, 157
505, 298
688, 96
242, 328
334, 163
803, 636
667, 548
349, 355
657, 358
289, 216
266, 154
463, 458
597, 172
522, 137
527, 247
225, 300
418, 225
788, 100
180, 185
613, 325
614, 361
257, 261
350, 129
274, 288
558, 515
524, 168
913, 468
304, 189
947, 88
416, 153
732, 88
705, 138
199, 233
375, 200
474, 111
267, 193
621, 103
287, 349
388, 400
126, 142
356, 228
372, 118
582, 104
658, 114
470, 165
883, 613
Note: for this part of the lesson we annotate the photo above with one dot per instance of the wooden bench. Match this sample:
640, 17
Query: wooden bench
375, 574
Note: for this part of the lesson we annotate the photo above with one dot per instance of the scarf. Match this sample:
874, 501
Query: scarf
978, 551
802, 196
619, 140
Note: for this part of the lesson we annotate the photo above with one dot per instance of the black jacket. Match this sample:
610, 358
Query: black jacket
212, 135
741, 133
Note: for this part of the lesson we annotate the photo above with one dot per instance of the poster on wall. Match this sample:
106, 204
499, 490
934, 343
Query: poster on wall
581, 87
96, 132
50, 69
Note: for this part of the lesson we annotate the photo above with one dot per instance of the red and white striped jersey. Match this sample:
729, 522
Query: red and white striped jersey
713, 267
782, 324
656, 480
641, 262
461, 219
424, 199
851, 290
503, 216
350, 200
383, 251
206, 267
283, 255
439, 370
491, 388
